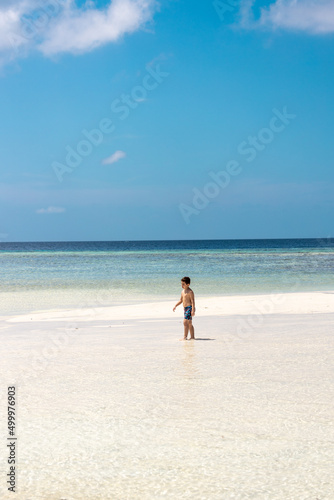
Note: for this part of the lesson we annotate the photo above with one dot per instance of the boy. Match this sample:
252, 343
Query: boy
188, 301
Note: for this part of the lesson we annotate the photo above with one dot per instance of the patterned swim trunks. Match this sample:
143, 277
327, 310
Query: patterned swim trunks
187, 312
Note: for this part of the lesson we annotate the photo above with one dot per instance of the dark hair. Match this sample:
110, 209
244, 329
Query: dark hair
186, 280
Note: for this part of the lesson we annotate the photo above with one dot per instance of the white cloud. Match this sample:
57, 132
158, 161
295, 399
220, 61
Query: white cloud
59, 26
118, 155
80, 30
50, 210
11, 36
311, 16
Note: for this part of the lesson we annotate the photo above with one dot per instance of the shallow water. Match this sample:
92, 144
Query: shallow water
74, 274
136, 415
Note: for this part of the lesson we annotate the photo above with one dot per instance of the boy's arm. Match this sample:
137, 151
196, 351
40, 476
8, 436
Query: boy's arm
192, 304
180, 302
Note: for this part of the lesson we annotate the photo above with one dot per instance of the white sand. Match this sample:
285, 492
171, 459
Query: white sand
112, 406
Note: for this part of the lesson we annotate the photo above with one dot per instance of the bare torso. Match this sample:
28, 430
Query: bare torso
187, 297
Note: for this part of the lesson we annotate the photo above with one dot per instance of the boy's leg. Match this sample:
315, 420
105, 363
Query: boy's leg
186, 328
192, 330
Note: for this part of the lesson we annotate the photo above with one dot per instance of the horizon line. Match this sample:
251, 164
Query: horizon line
170, 240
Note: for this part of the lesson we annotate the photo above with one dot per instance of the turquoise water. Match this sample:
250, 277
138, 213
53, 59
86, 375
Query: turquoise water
51, 275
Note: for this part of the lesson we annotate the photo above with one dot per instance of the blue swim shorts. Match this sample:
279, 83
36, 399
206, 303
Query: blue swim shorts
187, 312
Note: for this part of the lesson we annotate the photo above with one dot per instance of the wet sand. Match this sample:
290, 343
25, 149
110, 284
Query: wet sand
111, 405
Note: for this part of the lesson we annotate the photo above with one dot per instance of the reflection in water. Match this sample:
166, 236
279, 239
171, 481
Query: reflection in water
189, 360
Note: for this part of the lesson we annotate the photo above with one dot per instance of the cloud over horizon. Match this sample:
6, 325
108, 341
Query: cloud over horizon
310, 16
60, 26
50, 210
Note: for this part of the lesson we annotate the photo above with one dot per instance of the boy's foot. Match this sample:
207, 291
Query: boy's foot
184, 338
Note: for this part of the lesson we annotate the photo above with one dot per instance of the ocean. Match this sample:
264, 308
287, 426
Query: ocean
51, 275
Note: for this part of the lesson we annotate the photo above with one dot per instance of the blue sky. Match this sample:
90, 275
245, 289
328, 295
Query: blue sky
116, 117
